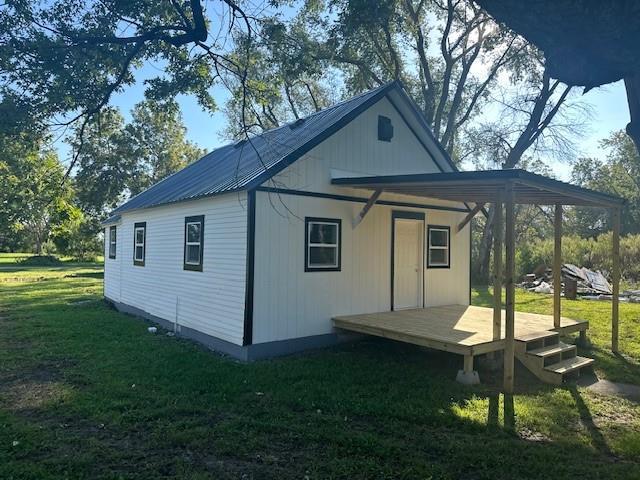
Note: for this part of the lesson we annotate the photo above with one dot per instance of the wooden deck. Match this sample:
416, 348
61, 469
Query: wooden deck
466, 330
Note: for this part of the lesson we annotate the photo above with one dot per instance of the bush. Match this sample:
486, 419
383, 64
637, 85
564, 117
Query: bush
41, 261
594, 254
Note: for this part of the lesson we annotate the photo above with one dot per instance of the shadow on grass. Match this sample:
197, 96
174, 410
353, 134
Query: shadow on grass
372, 409
509, 413
86, 275
597, 438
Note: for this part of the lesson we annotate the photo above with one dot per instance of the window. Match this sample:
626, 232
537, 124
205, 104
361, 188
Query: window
139, 243
439, 254
112, 241
322, 244
385, 129
193, 240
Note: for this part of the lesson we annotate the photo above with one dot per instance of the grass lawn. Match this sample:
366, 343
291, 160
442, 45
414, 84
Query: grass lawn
86, 392
624, 367
11, 261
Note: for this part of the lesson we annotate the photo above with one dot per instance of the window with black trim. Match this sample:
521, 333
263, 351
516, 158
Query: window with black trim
322, 245
112, 241
139, 243
193, 242
439, 251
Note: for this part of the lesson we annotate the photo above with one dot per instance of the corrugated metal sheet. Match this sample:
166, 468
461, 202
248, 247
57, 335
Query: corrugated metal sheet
246, 164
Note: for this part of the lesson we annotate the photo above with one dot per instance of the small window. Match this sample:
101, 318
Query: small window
322, 244
139, 243
385, 129
439, 255
193, 242
112, 242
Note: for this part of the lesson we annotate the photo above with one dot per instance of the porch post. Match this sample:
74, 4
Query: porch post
498, 231
557, 264
615, 278
509, 244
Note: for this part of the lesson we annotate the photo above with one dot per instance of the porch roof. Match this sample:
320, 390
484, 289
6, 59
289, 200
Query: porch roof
482, 187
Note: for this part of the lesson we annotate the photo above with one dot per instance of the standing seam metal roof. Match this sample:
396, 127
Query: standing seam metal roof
246, 164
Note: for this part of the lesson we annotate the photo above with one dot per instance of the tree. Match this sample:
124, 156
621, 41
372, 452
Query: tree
537, 117
457, 61
35, 201
157, 139
618, 174
106, 167
585, 43
366, 44
61, 61
118, 160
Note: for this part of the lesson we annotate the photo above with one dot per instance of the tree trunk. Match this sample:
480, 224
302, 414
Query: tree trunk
484, 252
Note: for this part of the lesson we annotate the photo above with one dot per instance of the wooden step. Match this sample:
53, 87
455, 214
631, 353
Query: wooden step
532, 337
569, 365
552, 350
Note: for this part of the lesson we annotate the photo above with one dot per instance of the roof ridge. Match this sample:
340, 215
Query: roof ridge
212, 173
313, 114
326, 109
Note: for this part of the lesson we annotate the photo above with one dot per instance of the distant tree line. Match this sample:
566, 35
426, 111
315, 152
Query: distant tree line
44, 208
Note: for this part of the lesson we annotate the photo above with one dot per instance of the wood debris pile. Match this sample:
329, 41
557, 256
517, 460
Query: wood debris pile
588, 284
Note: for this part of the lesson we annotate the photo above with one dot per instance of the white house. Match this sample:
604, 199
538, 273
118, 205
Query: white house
253, 249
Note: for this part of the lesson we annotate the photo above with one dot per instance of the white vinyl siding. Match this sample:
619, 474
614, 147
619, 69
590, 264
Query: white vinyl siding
356, 151
211, 301
291, 303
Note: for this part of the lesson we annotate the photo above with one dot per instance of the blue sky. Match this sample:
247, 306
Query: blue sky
610, 113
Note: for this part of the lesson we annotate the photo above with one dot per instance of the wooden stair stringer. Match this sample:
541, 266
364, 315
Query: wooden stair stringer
548, 358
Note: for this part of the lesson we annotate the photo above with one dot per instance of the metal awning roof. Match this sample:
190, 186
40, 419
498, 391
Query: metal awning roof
482, 187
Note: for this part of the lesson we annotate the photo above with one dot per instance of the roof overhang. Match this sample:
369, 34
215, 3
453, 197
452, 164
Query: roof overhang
483, 186
112, 220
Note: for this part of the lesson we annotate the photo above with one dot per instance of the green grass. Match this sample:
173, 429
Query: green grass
13, 258
86, 392
624, 367
13, 262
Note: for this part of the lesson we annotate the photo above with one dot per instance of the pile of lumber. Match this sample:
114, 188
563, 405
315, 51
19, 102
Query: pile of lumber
589, 283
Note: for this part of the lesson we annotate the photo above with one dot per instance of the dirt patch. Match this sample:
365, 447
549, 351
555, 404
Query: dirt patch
614, 416
32, 389
30, 395
532, 436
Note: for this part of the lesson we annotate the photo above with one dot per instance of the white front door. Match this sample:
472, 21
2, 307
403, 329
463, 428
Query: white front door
407, 263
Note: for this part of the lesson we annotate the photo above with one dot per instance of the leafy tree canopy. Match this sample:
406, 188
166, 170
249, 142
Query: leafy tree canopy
62, 60
119, 160
35, 202
618, 174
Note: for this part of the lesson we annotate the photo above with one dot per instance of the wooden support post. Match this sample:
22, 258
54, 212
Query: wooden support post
370, 203
510, 288
498, 232
557, 264
468, 375
468, 364
615, 279
470, 215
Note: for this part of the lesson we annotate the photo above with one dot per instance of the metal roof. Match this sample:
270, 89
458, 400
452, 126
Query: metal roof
111, 220
482, 186
247, 164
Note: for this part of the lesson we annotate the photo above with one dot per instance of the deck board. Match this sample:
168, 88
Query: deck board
467, 330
